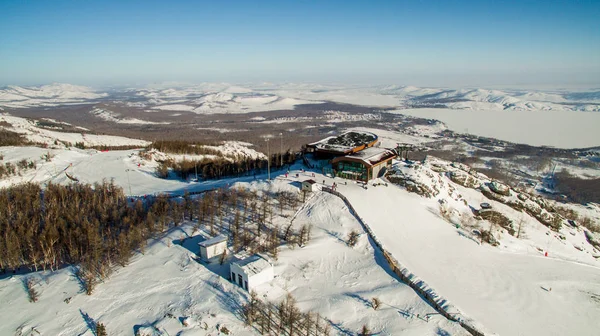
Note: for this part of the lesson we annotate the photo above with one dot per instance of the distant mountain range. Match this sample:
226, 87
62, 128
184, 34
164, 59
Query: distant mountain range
213, 98
47, 95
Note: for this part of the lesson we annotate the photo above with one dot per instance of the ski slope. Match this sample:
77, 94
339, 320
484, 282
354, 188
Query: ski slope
501, 290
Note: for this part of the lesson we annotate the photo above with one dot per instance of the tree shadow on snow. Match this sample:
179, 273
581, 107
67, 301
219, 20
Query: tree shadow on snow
137, 327
335, 235
361, 299
191, 243
91, 324
296, 184
442, 332
341, 330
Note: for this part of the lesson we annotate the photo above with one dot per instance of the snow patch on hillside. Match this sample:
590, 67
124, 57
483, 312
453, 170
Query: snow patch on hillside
116, 118
47, 95
166, 291
57, 139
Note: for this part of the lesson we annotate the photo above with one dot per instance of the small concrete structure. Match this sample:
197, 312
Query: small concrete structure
212, 247
308, 185
252, 271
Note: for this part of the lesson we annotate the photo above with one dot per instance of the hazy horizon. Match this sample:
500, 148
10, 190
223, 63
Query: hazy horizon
451, 44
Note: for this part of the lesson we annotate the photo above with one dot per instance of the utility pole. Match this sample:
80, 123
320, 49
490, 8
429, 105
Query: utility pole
128, 182
196, 168
281, 149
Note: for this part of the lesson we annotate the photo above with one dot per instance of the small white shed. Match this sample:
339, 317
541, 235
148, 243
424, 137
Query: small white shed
308, 185
212, 247
252, 271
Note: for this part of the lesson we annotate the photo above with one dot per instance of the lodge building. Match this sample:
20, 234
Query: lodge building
354, 155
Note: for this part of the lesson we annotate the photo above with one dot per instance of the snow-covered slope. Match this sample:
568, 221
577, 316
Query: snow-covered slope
478, 98
47, 95
165, 286
116, 118
58, 139
511, 289
227, 98
216, 98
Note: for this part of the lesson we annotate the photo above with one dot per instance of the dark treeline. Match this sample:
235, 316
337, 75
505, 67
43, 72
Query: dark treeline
183, 147
580, 190
9, 138
214, 168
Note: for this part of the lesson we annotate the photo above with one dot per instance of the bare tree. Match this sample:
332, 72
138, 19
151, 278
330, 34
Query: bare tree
375, 303
520, 226
352, 238
223, 257
31, 292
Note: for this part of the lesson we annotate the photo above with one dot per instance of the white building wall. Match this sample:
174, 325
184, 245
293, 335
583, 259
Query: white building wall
307, 186
261, 278
377, 169
252, 281
236, 272
212, 251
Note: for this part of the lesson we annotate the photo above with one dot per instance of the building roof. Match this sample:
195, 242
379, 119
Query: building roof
311, 181
213, 241
254, 264
345, 142
370, 156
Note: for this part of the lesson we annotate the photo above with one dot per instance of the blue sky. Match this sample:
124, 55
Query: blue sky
436, 43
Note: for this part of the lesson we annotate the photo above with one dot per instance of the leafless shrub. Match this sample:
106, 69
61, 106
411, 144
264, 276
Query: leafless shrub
352, 238
375, 303
31, 292
588, 223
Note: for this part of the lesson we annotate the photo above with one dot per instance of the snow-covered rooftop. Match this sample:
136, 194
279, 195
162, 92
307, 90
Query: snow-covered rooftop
254, 264
345, 141
371, 155
213, 241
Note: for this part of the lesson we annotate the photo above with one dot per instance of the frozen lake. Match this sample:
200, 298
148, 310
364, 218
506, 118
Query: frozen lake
564, 129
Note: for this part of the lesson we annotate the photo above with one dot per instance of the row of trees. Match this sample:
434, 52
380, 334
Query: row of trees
183, 147
219, 167
10, 169
284, 318
247, 217
9, 138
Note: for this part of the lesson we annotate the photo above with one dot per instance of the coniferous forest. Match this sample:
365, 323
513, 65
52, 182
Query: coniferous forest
96, 227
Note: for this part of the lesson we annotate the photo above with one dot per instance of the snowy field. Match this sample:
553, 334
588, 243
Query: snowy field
505, 289
160, 289
51, 138
135, 174
47, 95
562, 129
511, 290
111, 116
